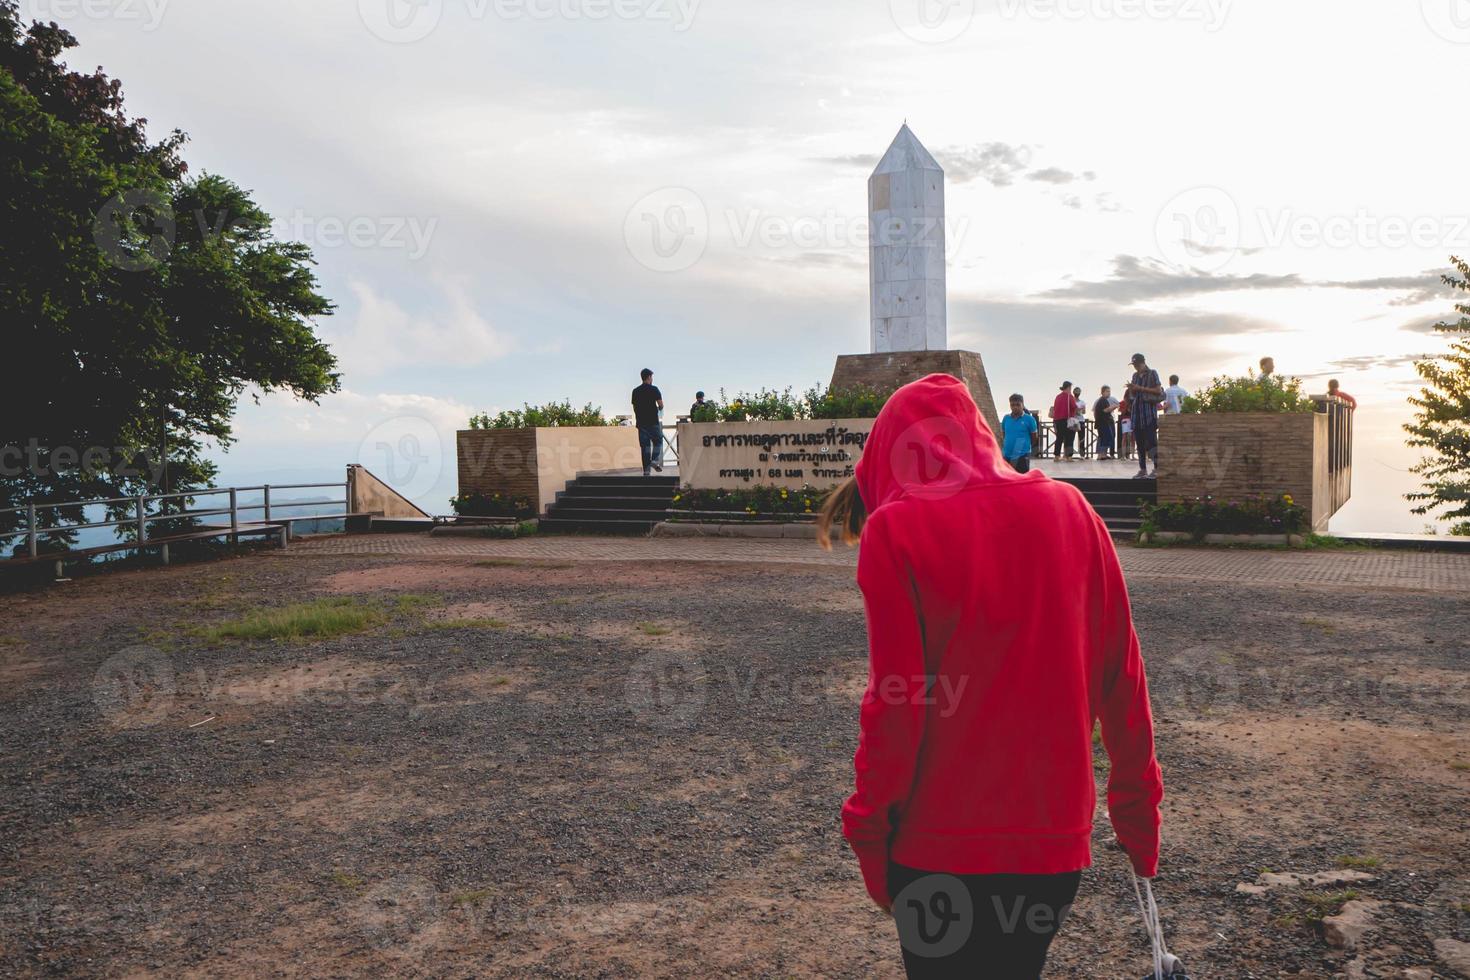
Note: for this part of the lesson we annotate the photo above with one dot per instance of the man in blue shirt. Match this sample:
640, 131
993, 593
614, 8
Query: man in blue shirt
1017, 429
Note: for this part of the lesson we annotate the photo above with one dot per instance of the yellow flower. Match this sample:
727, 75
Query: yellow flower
1288, 499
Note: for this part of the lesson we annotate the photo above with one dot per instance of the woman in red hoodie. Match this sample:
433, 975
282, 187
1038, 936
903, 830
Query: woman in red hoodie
972, 815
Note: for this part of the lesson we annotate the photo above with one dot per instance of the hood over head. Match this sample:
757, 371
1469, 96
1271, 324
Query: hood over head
929, 441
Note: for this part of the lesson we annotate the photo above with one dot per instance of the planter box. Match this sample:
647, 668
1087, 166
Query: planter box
820, 453
1260, 540
1232, 456
538, 463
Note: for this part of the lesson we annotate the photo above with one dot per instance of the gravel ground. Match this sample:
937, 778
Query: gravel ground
628, 769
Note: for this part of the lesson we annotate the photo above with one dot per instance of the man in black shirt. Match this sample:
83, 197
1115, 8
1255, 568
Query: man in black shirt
648, 402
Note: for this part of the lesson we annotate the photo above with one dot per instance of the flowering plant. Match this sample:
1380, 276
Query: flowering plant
478, 504
753, 502
1206, 515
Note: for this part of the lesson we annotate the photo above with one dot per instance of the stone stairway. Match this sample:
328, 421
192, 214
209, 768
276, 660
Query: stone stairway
1118, 501
611, 505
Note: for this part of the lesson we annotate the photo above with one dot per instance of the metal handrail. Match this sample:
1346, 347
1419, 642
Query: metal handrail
142, 518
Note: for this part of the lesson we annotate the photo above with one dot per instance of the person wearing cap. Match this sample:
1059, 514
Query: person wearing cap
1063, 410
1145, 392
699, 403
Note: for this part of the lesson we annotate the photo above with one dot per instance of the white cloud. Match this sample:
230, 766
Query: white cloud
383, 336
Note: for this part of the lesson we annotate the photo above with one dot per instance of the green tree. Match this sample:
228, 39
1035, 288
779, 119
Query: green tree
139, 304
1442, 423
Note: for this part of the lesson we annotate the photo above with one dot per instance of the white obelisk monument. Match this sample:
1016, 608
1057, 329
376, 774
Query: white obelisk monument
908, 324
906, 249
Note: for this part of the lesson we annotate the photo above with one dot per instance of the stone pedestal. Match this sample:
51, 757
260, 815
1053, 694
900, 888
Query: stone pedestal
891, 371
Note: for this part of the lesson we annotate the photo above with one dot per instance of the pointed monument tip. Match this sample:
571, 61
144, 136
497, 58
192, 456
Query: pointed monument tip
906, 153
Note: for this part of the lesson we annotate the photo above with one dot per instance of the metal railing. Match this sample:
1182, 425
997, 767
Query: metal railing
33, 530
1084, 439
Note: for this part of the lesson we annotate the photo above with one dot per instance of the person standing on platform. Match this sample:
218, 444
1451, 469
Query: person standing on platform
1079, 422
1017, 429
1334, 389
1107, 424
699, 403
1174, 396
1063, 408
1145, 392
648, 402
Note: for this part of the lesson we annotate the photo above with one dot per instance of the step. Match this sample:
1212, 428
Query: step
1104, 485
612, 503
593, 514
554, 525
627, 481
658, 492
1109, 512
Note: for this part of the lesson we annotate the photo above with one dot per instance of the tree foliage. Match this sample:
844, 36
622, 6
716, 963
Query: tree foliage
550, 415
1250, 393
1442, 422
139, 303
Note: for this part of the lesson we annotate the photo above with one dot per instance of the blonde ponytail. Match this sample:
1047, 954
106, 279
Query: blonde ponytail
844, 510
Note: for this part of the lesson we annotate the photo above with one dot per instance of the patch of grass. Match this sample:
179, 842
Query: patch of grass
415, 601
319, 618
474, 898
1326, 626
653, 629
348, 881
467, 624
1359, 862
1326, 542
1287, 922
1460, 766
1323, 904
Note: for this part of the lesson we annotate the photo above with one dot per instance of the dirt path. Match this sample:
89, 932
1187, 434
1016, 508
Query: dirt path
556, 767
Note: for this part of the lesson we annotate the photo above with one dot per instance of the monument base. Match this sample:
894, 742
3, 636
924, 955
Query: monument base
889, 372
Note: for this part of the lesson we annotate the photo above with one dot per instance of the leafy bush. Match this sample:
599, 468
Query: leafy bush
477, 504
708, 412
550, 415
1251, 393
1206, 515
858, 402
815, 403
753, 502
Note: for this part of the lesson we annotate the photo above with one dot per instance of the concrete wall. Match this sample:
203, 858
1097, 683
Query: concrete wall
734, 455
1232, 456
366, 494
538, 463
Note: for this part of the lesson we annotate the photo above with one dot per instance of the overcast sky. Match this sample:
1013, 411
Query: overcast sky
1203, 180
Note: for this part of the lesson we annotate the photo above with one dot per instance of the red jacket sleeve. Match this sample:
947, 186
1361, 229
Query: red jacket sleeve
892, 717
1135, 784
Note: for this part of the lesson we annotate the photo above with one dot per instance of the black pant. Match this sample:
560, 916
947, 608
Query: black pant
1021, 464
1065, 437
993, 926
1146, 438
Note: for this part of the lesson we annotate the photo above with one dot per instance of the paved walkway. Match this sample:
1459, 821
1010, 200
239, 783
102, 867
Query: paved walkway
1376, 569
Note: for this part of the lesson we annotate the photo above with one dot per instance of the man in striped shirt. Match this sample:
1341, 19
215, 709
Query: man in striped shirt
1145, 392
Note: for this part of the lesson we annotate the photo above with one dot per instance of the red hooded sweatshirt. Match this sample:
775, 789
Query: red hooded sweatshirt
975, 755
